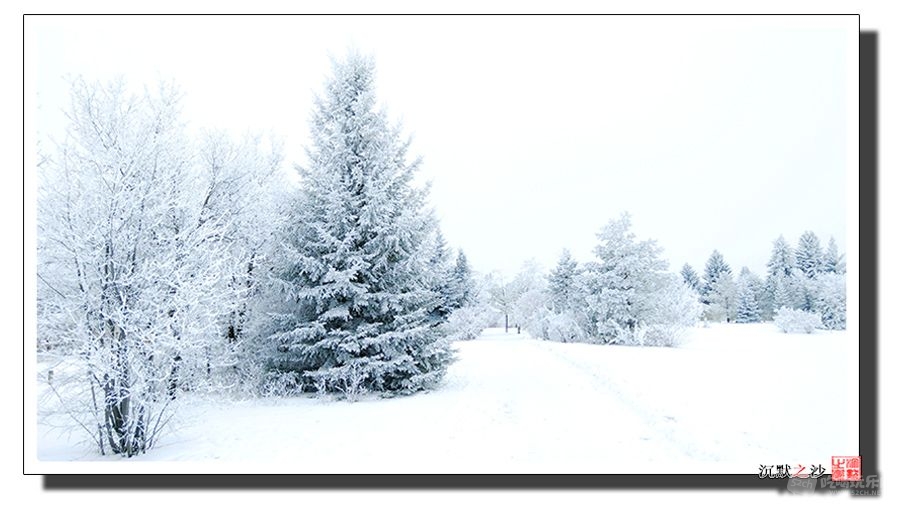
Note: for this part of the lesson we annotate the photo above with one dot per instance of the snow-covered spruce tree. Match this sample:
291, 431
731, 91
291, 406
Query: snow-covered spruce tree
782, 260
441, 280
129, 270
620, 287
747, 298
833, 261
357, 310
780, 289
462, 283
722, 299
690, 278
715, 267
718, 292
784, 292
562, 284
810, 259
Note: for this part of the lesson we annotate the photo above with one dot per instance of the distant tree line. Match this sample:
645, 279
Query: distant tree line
807, 278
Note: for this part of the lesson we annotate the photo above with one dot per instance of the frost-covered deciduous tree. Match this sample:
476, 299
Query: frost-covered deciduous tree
529, 293
129, 268
243, 192
356, 304
501, 296
675, 308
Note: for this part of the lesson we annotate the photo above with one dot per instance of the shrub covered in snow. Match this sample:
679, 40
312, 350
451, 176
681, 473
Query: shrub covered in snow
280, 384
560, 327
466, 323
795, 321
658, 334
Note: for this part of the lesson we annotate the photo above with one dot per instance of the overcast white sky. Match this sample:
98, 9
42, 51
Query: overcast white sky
535, 131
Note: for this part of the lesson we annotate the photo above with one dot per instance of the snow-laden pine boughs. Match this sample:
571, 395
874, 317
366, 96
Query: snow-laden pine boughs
780, 283
833, 261
462, 283
781, 261
748, 297
719, 293
715, 268
810, 259
357, 306
795, 321
690, 277
440, 279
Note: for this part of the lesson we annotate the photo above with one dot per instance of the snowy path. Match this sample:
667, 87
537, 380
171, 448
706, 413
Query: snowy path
513, 404
544, 411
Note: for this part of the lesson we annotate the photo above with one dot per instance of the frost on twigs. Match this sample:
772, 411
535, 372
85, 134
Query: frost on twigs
144, 260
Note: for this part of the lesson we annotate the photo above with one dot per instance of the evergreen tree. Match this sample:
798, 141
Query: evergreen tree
833, 260
747, 302
562, 283
810, 259
781, 262
441, 280
779, 279
691, 278
783, 292
722, 298
715, 268
463, 284
358, 309
621, 288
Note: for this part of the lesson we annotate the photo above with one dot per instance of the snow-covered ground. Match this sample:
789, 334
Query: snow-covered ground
731, 398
